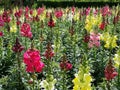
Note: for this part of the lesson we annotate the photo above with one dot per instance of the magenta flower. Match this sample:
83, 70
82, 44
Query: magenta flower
40, 10
105, 11
94, 40
88, 11
1, 21
26, 30
32, 60
58, 13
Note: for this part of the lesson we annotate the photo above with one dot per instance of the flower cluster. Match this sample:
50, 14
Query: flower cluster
49, 83
58, 13
94, 40
65, 64
110, 40
92, 21
110, 72
6, 17
117, 59
32, 60
83, 79
51, 22
26, 30
49, 53
17, 46
1, 21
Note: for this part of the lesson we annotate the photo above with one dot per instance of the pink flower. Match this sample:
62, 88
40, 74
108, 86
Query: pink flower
40, 10
88, 11
1, 21
73, 10
26, 30
1, 34
105, 11
32, 60
58, 13
94, 40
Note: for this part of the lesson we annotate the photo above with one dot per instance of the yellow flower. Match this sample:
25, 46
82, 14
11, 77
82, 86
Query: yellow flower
117, 59
13, 28
110, 40
82, 80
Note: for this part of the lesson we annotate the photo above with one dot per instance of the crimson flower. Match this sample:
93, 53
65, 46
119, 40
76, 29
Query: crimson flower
110, 72
49, 53
105, 11
51, 22
32, 60
17, 46
86, 38
58, 13
88, 11
102, 25
6, 17
65, 64
1, 34
26, 30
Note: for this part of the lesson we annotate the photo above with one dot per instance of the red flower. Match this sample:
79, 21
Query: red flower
49, 53
51, 22
86, 38
102, 25
58, 13
26, 30
110, 72
65, 64
6, 17
116, 19
32, 60
1, 34
1, 21
17, 46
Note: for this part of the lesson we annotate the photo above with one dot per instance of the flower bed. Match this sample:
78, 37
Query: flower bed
60, 48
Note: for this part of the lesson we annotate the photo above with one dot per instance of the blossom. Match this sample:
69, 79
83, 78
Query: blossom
26, 30
49, 83
49, 53
65, 65
86, 38
51, 22
17, 46
105, 11
94, 40
1, 34
40, 10
110, 40
117, 59
1, 21
87, 11
110, 72
32, 60
58, 13
6, 17
102, 25
83, 79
